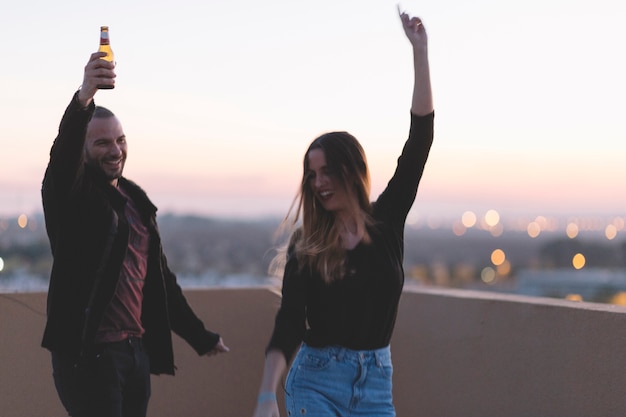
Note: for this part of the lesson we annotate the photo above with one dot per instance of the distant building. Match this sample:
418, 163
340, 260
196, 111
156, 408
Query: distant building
592, 284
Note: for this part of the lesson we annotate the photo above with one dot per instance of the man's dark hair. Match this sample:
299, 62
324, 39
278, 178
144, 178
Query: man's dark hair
102, 113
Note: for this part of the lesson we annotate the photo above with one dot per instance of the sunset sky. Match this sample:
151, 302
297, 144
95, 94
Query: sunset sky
219, 99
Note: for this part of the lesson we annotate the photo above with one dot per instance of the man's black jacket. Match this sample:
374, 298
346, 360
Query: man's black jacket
88, 235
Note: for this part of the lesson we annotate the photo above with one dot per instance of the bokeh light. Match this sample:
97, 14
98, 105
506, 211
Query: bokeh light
458, 228
492, 217
574, 297
610, 232
619, 298
488, 275
468, 219
1, 264
542, 221
533, 229
22, 221
578, 261
504, 269
498, 257
32, 224
434, 222
571, 230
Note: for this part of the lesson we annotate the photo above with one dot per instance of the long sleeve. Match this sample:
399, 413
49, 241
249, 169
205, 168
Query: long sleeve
183, 319
67, 150
396, 200
65, 164
290, 323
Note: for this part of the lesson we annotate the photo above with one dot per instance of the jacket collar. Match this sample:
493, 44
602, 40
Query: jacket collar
139, 196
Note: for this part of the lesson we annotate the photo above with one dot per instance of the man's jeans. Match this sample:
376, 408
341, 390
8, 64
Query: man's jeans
111, 381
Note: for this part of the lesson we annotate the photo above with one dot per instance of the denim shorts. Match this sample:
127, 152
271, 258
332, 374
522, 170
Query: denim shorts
335, 381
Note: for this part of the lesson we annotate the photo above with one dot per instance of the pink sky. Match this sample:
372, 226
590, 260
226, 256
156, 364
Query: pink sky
525, 122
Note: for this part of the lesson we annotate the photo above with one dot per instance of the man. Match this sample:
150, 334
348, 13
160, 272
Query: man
112, 301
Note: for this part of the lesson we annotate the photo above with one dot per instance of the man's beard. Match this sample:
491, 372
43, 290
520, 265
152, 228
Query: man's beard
107, 175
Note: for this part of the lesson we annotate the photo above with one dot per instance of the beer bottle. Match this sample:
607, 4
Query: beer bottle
105, 46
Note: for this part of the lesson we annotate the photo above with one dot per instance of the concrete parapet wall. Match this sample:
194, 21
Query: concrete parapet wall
456, 354
476, 354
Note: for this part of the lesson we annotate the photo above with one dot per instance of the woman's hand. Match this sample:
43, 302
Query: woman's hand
422, 102
414, 30
268, 408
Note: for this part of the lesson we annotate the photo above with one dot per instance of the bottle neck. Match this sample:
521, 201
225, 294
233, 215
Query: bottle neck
104, 38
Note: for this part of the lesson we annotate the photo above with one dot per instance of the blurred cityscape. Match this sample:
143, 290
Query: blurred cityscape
579, 258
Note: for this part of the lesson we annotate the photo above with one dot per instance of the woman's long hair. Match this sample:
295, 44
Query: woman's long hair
318, 245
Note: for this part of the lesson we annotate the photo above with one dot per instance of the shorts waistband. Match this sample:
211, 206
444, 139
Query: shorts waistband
380, 355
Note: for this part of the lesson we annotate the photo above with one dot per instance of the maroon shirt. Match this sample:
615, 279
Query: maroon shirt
122, 317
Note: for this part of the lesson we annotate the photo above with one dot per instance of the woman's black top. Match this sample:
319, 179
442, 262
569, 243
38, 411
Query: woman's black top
358, 311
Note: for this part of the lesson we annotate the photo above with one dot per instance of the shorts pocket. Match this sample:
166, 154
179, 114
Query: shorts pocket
386, 370
315, 361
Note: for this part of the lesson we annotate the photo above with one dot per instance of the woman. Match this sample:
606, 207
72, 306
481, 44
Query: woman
343, 277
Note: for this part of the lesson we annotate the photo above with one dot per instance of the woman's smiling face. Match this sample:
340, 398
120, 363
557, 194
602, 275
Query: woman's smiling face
325, 183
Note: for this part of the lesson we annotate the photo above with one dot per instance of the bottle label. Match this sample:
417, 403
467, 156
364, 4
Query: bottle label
104, 38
